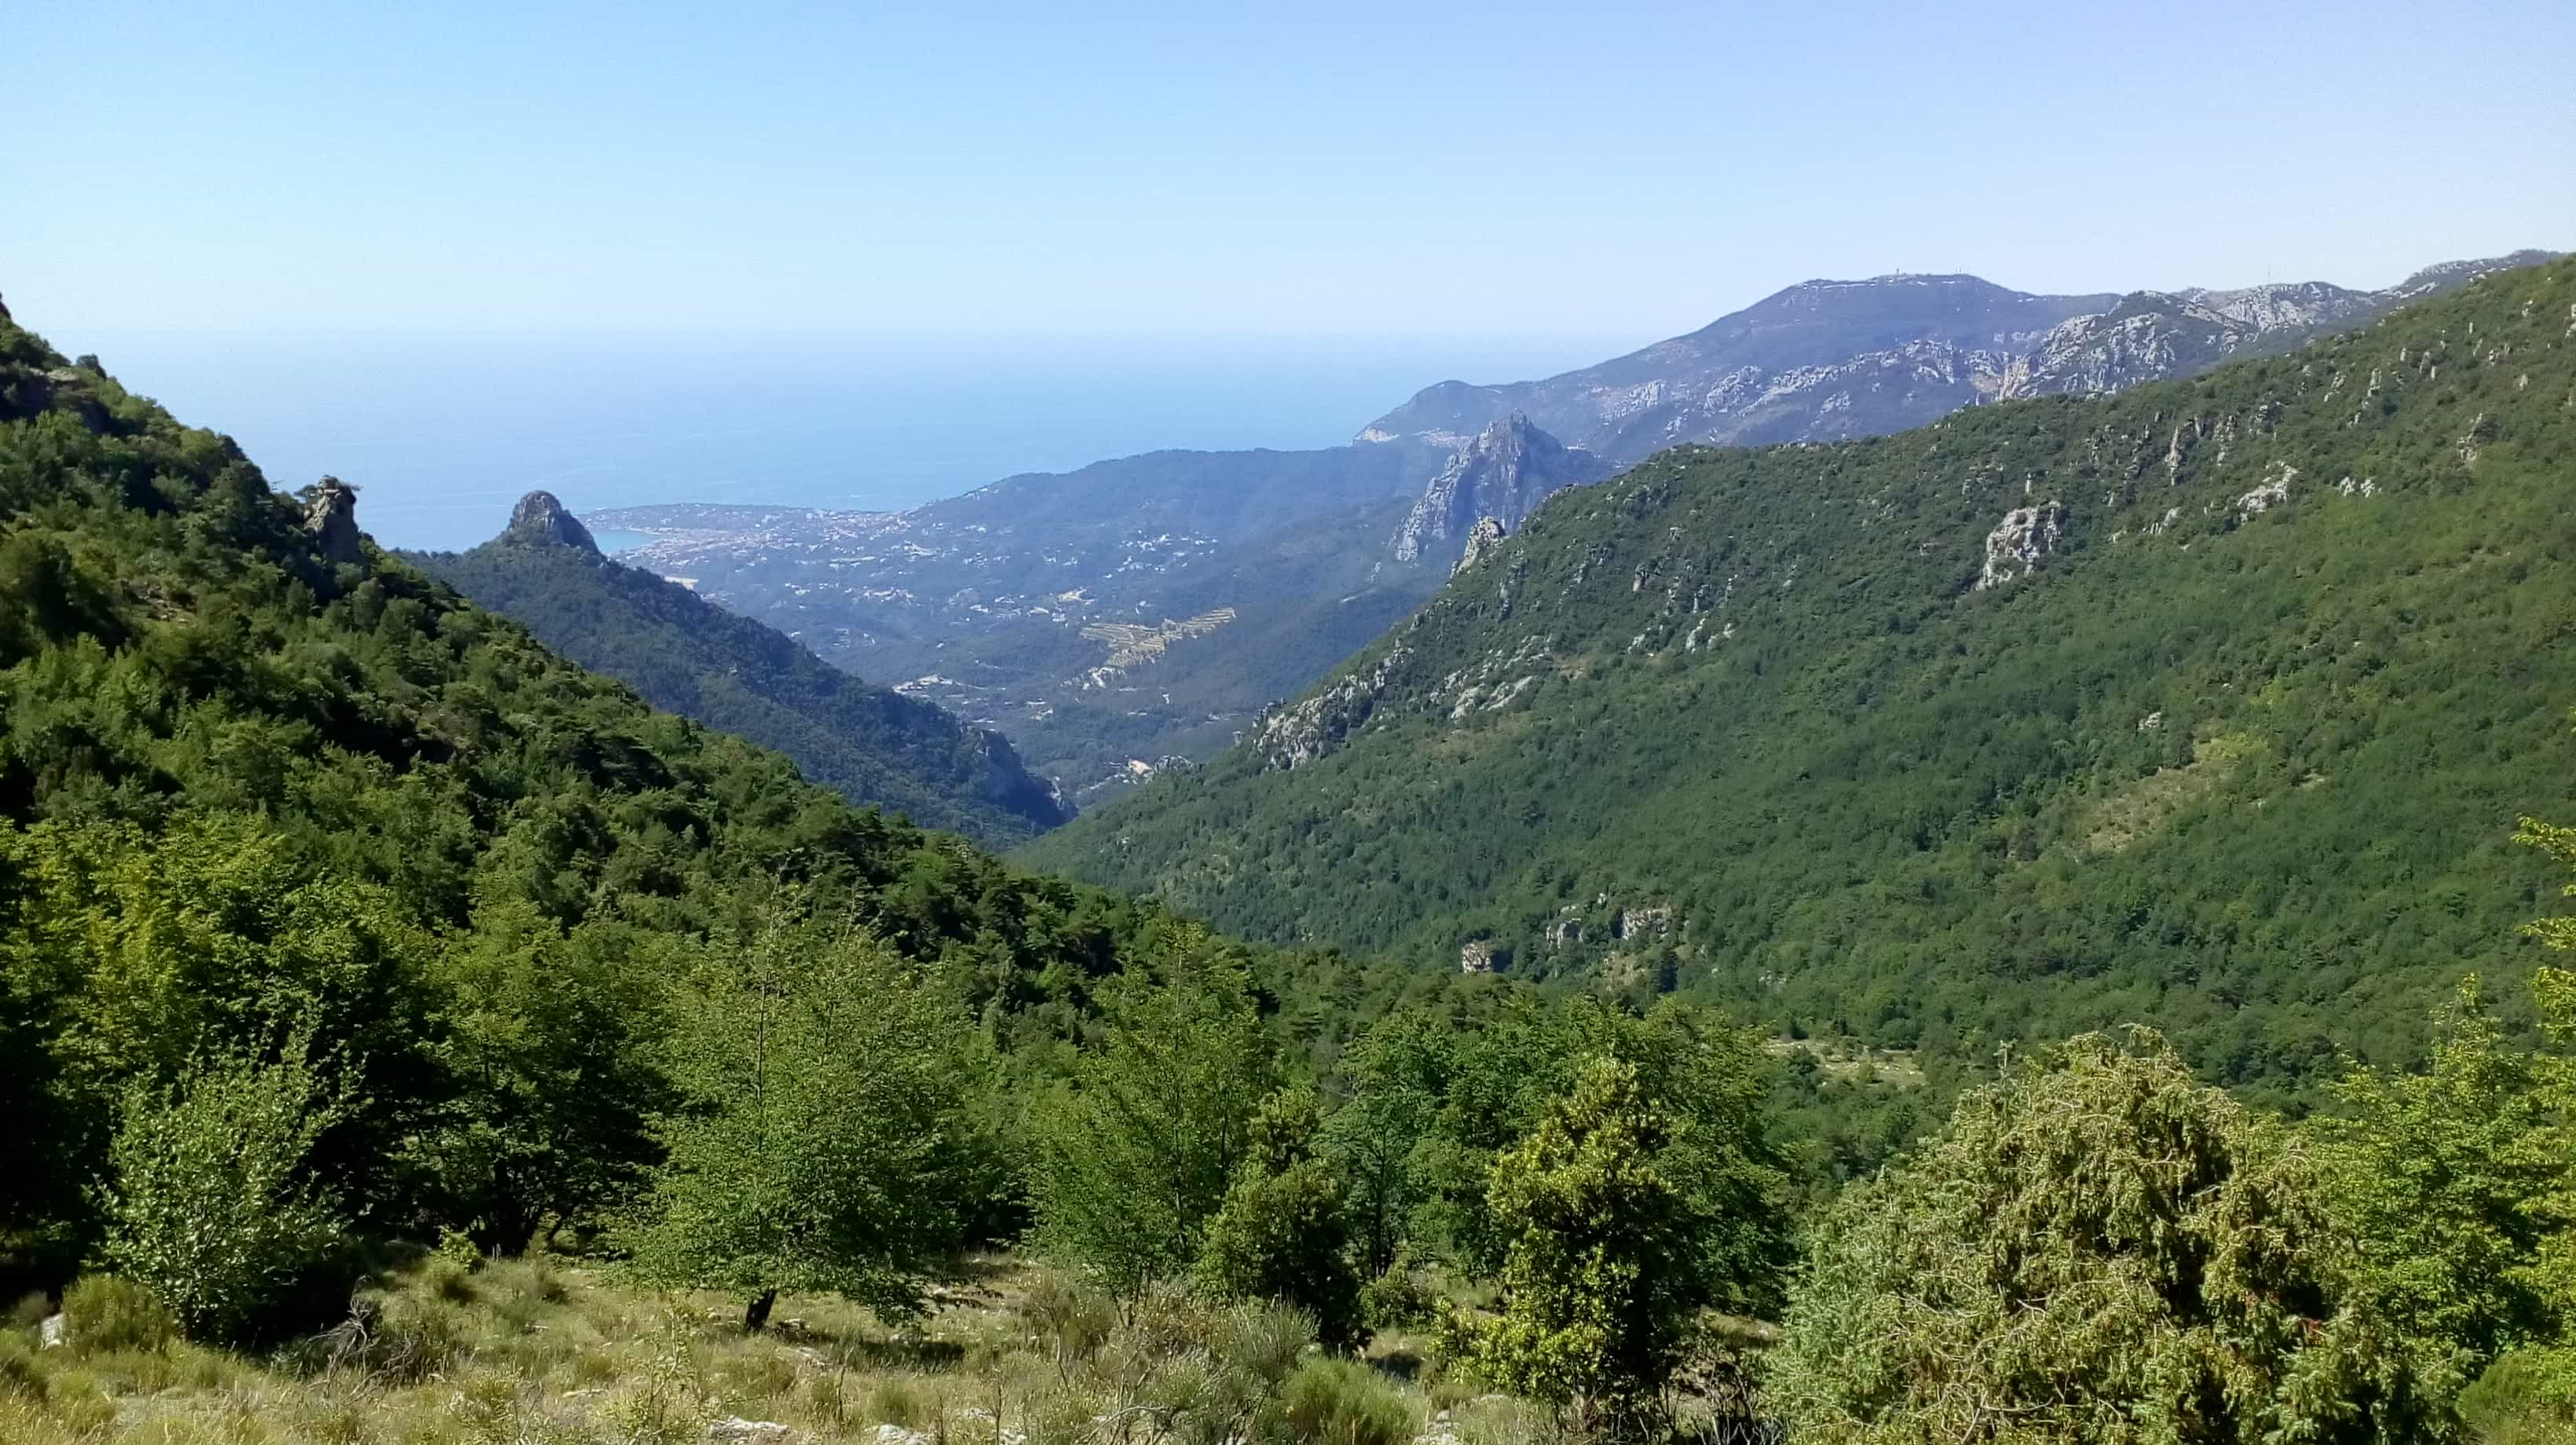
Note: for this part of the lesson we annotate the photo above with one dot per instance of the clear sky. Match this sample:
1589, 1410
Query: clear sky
1310, 169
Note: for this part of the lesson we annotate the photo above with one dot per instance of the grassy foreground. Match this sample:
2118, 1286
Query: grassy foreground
539, 1351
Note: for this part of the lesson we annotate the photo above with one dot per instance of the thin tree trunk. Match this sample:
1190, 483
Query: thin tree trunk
756, 1318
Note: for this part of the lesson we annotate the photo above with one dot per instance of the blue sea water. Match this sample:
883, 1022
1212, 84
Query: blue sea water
442, 432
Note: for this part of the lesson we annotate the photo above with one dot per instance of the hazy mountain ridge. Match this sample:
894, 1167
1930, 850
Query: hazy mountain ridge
1828, 360
686, 655
2045, 715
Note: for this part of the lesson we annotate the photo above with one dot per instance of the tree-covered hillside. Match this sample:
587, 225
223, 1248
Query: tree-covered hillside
687, 655
2211, 704
274, 800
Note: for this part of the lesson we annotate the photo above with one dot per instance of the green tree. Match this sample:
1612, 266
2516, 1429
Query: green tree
1623, 1226
1135, 1156
1378, 1141
827, 1135
2099, 1249
1283, 1232
212, 1205
544, 1034
2452, 1178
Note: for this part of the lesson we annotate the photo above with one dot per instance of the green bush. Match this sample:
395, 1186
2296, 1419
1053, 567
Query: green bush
396, 1339
19, 1374
213, 1207
1282, 1232
1398, 1299
1072, 1320
102, 1312
1264, 1341
2527, 1397
1332, 1401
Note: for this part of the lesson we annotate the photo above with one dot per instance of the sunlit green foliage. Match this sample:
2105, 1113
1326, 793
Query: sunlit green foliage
2238, 755
213, 1207
1282, 1232
825, 1135
1623, 1221
2101, 1249
1136, 1154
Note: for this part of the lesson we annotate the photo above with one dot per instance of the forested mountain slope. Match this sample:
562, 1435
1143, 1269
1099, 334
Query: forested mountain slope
687, 655
267, 790
2210, 704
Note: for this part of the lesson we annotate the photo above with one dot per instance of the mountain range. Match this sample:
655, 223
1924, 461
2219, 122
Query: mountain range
2213, 702
1135, 616
1829, 360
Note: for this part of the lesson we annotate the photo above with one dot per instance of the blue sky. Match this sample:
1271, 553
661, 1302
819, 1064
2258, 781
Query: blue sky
1303, 170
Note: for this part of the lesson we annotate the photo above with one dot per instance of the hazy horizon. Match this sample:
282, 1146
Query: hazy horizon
443, 430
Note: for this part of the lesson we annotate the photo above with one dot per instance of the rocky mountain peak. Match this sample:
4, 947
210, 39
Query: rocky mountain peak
1509, 468
541, 521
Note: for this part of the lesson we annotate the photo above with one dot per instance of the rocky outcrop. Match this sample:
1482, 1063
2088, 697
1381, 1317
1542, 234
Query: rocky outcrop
331, 515
2147, 337
2015, 546
1508, 469
1290, 737
541, 521
1475, 956
1483, 540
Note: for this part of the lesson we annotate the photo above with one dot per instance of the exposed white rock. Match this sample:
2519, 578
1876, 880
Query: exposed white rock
2275, 490
1483, 540
1301, 733
2014, 547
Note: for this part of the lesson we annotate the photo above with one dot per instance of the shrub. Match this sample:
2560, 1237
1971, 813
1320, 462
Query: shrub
399, 1339
2527, 1397
102, 1312
1398, 1299
448, 1280
19, 1374
2097, 1237
1073, 1321
212, 1207
1282, 1233
1331, 1401
1264, 1341
458, 1247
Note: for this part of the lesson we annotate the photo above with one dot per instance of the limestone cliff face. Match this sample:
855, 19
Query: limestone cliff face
1506, 471
541, 521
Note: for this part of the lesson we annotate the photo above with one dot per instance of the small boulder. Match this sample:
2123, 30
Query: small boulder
735, 1427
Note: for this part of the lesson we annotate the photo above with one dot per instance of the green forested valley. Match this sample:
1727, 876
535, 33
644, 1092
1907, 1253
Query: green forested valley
688, 656
409, 1037
2212, 704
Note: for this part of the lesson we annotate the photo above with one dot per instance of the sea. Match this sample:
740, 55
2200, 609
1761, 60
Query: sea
441, 432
